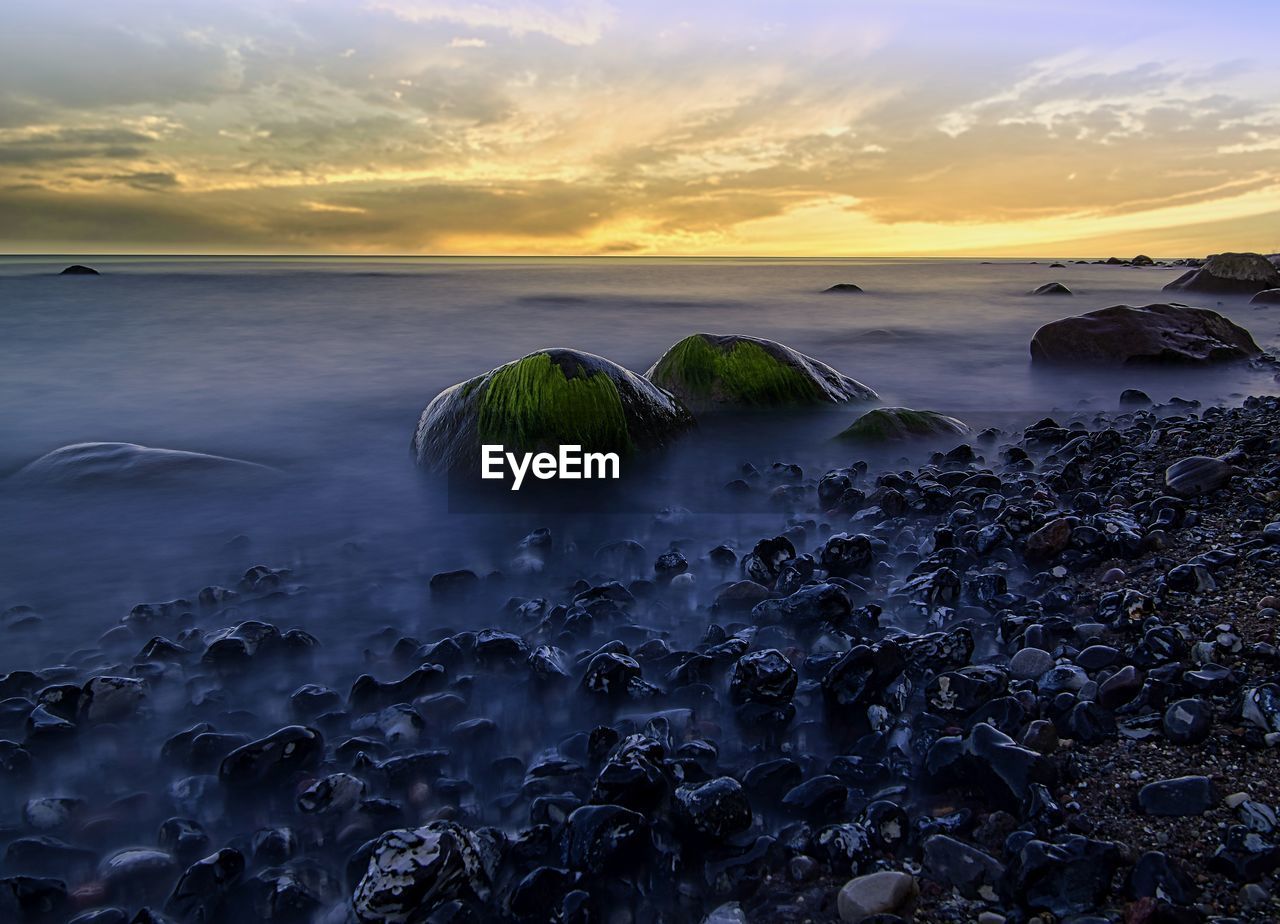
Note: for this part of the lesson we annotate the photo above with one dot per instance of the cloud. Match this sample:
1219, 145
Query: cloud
406, 125
580, 23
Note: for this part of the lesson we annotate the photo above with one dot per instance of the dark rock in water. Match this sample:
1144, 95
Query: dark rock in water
1196, 475
1135, 398
1155, 334
204, 885
709, 370
764, 677
128, 463
1184, 795
79, 269
1266, 297
1188, 721
1229, 274
843, 287
889, 424
817, 799
1142, 260
713, 810
1067, 878
26, 898
601, 839
412, 872
272, 760
1051, 288
545, 400
137, 872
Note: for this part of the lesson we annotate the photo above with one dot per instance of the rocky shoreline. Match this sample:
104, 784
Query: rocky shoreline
1028, 680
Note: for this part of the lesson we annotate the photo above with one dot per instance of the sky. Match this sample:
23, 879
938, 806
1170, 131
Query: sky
912, 127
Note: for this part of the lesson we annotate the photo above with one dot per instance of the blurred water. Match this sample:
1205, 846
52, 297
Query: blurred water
321, 366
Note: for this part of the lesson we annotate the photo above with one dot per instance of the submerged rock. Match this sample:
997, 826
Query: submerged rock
1051, 288
889, 424
78, 269
843, 287
545, 400
128, 463
706, 370
1228, 274
1266, 297
1155, 334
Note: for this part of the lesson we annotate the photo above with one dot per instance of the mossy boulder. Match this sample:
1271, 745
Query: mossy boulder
707, 370
550, 398
1229, 274
1124, 335
893, 424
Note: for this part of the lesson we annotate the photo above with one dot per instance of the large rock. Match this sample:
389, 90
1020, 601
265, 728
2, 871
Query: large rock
1266, 297
547, 399
129, 463
1229, 274
706, 370
77, 269
412, 872
888, 892
890, 424
1123, 335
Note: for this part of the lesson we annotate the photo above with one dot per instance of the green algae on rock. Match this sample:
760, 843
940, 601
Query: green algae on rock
550, 398
890, 424
705, 370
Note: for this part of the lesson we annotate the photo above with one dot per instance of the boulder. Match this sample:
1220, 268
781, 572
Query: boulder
129, 463
1123, 335
1266, 297
1051, 288
706, 370
412, 872
77, 269
1142, 260
547, 399
890, 424
1229, 274
844, 287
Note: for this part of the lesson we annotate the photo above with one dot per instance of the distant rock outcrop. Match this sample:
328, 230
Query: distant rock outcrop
129, 463
1229, 274
1155, 334
79, 270
1051, 288
847, 287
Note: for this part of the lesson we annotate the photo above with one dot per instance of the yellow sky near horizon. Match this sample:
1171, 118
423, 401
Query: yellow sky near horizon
937, 127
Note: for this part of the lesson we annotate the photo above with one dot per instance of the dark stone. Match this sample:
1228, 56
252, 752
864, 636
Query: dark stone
1184, 795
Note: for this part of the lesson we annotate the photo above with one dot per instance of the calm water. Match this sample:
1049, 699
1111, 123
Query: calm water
320, 367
